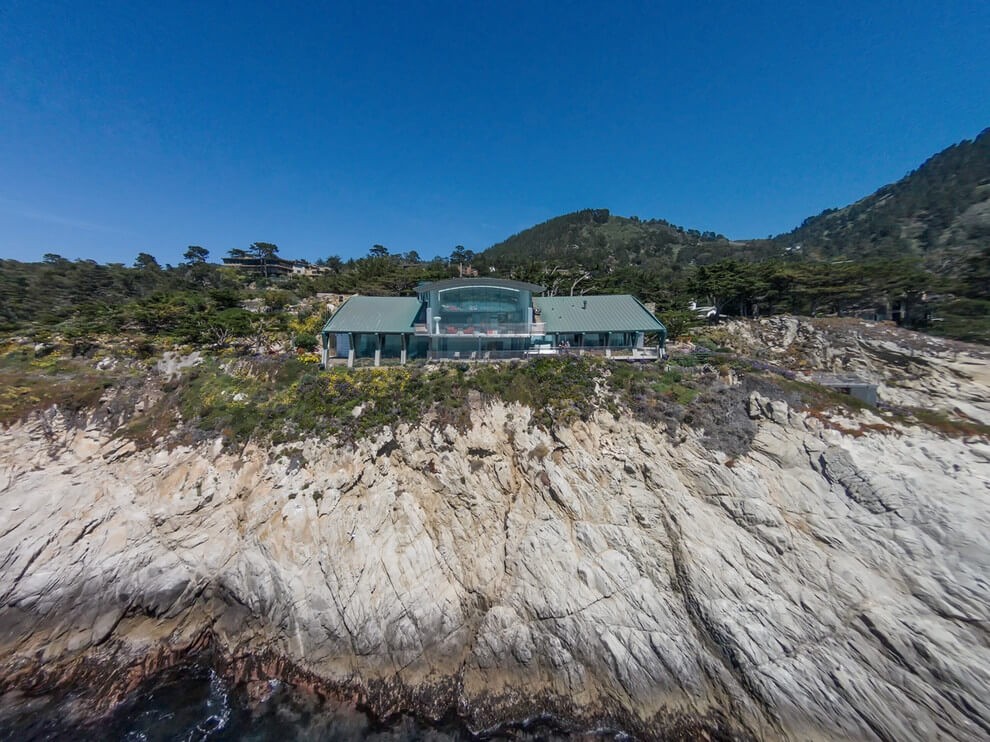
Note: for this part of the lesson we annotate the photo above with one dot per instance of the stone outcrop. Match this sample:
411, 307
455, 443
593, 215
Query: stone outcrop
910, 368
820, 586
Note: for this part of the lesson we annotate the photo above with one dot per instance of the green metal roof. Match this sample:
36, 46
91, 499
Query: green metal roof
601, 313
375, 314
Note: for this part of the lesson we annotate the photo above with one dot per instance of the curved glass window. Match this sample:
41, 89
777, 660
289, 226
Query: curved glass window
481, 309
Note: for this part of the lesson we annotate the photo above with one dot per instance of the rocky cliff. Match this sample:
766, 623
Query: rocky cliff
909, 368
830, 583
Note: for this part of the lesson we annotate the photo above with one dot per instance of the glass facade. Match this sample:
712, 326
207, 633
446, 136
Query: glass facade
473, 310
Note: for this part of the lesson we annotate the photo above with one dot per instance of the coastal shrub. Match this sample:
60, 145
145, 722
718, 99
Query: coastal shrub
235, 321
678, 322
650, 390
285, 398
275, 300
305, 341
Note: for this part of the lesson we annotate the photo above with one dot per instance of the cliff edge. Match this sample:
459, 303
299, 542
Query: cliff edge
827, 583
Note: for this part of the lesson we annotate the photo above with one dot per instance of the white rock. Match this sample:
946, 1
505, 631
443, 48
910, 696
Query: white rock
824, 586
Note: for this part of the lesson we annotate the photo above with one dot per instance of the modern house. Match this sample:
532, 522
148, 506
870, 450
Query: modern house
274, 266
488, 319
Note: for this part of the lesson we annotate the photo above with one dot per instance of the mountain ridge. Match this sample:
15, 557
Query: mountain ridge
939, 212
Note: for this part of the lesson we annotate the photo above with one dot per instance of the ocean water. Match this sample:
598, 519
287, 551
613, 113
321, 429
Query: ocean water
193, 703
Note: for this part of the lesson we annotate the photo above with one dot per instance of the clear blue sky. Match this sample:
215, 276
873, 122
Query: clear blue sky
129, 127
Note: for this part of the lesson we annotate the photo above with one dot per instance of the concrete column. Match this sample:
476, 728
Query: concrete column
326, 350
402, 354
378, 349
608, 348
351, 351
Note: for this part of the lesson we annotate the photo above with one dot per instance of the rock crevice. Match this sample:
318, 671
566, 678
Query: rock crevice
819, 586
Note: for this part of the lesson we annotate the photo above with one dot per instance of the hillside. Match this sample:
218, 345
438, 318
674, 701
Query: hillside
940, 212
922, 243
600, 241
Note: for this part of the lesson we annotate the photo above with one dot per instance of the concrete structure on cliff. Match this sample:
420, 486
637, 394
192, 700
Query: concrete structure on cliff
489, 319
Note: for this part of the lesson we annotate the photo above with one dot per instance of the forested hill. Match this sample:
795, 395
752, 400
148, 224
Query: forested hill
939, 212
923, 243
600, 241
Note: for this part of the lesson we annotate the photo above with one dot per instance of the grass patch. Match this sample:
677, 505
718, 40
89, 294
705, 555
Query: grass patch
29, 384
649, 387
817, 398
950, 426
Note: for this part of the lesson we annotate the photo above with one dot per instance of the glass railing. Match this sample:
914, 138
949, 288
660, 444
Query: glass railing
482, 329
649, 352
624, 353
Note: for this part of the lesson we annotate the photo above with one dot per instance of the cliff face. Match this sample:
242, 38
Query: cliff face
824, 585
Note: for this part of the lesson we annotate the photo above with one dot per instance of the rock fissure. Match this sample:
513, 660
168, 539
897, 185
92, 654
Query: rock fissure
714, 644
617, 578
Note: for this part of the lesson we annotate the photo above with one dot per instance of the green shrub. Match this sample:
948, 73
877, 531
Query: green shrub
305, 341
678, 322
239, 322
276, 300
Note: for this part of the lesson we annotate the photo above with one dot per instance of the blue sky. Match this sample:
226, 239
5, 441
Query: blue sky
425, 125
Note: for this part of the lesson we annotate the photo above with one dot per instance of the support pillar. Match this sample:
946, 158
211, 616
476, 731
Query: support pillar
402, 353
324, 356
378, 349
351, 350
608, 344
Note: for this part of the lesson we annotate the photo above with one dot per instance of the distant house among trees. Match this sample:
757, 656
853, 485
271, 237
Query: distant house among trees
262, 259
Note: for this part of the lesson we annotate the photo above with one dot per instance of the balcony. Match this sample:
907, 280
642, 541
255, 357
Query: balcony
502, 329
649, 353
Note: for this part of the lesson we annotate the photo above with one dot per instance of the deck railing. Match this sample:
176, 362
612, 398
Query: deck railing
623, 353
618, 353
481, 330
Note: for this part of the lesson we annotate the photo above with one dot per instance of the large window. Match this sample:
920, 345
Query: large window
480, 309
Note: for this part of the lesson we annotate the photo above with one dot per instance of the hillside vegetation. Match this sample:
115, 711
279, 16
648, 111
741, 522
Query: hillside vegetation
194, 303
921, 245
939, 212
598, 240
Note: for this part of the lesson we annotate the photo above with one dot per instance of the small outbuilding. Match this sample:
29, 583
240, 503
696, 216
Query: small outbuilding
851, 385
